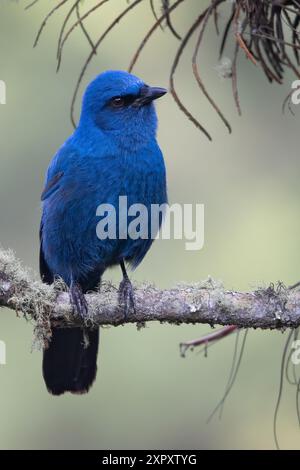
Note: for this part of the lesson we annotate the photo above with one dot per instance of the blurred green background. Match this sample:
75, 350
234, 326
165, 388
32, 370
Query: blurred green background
146, 395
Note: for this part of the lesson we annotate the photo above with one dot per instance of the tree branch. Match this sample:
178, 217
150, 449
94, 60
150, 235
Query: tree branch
275, 307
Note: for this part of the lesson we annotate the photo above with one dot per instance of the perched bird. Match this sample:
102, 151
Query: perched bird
112, 153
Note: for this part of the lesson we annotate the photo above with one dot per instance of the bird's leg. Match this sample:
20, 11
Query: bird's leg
126, 294
78, 300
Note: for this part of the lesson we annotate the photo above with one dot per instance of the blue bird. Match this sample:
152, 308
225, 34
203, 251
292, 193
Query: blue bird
112, 153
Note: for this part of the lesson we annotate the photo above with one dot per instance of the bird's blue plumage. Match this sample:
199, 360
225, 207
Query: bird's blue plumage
112, 153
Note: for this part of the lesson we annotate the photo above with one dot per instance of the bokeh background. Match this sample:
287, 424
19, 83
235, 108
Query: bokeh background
146, 395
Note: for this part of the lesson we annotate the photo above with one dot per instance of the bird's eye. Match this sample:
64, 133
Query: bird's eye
117, 102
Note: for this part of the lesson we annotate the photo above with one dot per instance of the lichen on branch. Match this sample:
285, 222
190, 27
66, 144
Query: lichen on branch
274, 307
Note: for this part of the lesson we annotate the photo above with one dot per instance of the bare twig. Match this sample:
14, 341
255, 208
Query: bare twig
31, 4
166, 9
78, 22
196, 71
62, 30
46, 19
234, 65
281, 384
89, 58
178, 55
152, 6
239, 37
206, 339
146, 38
266, 30
231, 381
84, 30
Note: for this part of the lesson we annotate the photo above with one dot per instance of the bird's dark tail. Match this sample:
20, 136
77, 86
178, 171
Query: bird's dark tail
70, 362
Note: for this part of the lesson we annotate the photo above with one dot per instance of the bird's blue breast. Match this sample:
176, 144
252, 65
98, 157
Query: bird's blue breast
94, 175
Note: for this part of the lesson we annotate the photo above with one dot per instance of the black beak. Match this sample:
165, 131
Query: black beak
149, 94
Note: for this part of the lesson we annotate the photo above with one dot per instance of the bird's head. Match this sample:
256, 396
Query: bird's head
119, 102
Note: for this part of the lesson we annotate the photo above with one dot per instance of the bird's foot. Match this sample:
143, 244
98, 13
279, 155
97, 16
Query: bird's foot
78, 300
126, 297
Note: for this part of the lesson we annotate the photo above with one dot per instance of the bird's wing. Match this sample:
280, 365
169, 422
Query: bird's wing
52, 185
45, 272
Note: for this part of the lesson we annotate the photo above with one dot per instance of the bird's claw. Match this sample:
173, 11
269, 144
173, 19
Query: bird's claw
78, 301
126, 297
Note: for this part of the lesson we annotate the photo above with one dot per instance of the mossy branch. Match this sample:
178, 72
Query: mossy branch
205, 302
